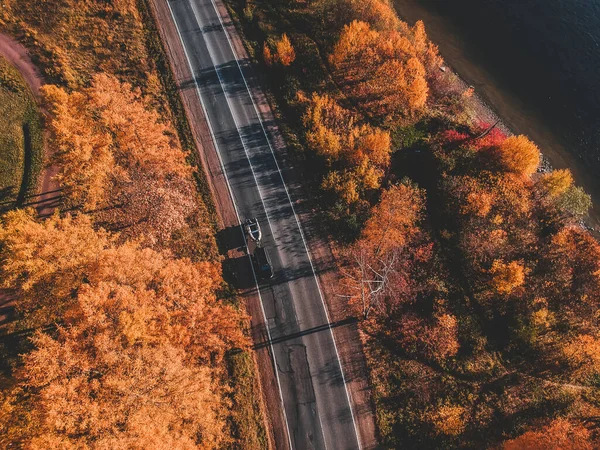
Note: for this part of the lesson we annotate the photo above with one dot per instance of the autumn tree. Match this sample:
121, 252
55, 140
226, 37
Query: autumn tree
139, 175
374, 261
448, 419
574, 202
103, 133
285, 54
394, 219
434, 339
582, 354
141, 140
267, 55
506, 277
572, 286
558, 435
519, 155
392, 268
358, 154
556, 183
382, 71
81, 149
377, 13
47, 261
110, 380
134, 361
367, 279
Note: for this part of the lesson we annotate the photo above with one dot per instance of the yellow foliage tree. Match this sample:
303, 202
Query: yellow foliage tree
448, 419
286, 54
519, 155
557, 182
361, 151
343, 185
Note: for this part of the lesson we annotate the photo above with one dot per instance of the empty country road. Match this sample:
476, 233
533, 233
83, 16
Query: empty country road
317, 406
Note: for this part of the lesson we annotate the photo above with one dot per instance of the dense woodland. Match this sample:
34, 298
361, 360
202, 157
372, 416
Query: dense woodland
478, 287
124, 334
475, 282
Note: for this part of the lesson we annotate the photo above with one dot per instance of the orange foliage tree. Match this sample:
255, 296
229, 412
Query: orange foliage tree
103, 133
506, 277
267, 55
394, 219
582, 355
435, 339
109, 381
572, 284
373, 262
113, 149
559, 435
448, 419
382, 70
47, 263
141, 339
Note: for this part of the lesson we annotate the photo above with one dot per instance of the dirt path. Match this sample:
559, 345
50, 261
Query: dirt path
48, 197
48, 194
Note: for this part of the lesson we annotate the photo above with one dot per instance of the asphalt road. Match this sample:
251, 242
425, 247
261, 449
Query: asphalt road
312, 386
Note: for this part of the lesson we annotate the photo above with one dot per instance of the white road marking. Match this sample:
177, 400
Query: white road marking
296, 217
212, 134
233, 115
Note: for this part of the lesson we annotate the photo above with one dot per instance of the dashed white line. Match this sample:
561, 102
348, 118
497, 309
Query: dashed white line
275, 367
295, 216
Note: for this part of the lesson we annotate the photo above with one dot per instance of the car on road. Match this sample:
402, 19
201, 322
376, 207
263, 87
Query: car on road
253, 229
262, 262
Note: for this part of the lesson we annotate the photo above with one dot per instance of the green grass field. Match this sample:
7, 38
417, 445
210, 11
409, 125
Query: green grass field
20, 127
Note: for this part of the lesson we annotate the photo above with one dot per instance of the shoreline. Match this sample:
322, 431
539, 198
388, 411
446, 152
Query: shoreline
515, 113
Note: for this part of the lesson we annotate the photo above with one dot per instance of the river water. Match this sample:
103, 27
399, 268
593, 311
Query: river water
547, 52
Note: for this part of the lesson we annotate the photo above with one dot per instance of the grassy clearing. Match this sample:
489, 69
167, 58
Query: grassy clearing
246, 424
71, 40
18, 112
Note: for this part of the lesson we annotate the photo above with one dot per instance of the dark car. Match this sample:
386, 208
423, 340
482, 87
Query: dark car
262, 261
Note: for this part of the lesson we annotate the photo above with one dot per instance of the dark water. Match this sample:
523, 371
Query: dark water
548, 52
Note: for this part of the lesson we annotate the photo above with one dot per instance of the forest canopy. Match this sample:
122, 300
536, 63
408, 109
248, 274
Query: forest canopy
461, 252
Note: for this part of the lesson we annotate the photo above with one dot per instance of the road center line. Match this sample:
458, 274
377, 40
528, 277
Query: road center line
275, 367
297, 220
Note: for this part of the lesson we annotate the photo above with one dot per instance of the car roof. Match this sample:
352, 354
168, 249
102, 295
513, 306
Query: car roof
262, 253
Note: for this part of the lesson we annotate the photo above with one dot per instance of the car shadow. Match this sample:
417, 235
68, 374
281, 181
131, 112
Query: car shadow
231, 238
